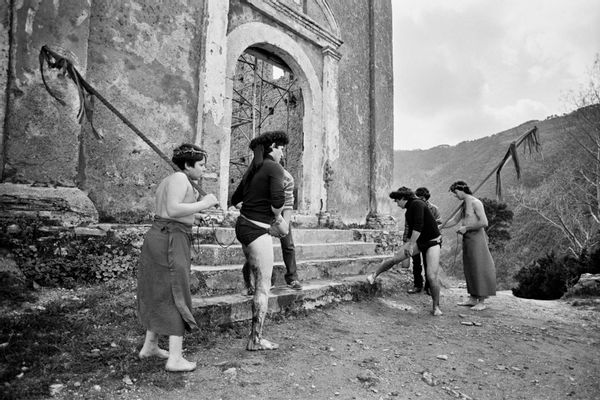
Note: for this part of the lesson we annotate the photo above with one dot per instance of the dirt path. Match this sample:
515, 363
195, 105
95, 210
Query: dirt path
391, 348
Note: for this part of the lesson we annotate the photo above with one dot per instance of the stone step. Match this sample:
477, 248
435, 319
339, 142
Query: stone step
226, 236
227, 279
220, 310
214, 254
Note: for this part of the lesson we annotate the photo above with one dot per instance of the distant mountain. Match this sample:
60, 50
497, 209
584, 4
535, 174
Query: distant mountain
471, 161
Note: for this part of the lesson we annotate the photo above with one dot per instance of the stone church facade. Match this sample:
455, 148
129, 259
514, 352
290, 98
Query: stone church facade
170, 67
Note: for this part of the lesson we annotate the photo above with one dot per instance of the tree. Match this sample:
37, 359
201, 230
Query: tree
570, 198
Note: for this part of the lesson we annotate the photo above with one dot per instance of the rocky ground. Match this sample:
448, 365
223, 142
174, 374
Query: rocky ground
390, 347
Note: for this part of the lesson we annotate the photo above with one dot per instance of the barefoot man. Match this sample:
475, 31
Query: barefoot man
479, 267
163, 293
261, 193
423, 236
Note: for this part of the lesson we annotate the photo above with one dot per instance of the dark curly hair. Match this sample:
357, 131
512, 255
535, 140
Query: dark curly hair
403, 193
460, 185
188, 154
261, 146
423, 192
280, 138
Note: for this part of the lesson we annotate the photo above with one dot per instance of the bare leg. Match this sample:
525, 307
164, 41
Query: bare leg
176, 362
387, 264
433, 269
260, 253
151, 349
246, 272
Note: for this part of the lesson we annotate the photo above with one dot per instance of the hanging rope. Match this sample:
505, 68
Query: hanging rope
86, 101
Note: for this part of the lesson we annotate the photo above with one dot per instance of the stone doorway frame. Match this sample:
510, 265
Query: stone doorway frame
320, 122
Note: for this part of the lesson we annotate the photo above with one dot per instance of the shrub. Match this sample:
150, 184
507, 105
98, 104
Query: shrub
548, 277
62, 258
499, 222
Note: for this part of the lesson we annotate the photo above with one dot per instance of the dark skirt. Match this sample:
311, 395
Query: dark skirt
479, 268
164, 301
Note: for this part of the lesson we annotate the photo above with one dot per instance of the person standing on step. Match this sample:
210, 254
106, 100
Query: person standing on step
262, 195
478, 265
164, 301
423, 194
288, 249
423, 236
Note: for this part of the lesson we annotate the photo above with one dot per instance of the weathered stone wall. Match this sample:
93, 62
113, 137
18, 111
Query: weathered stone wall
350, 192
149, 60
5, 19
41, 136
144, 59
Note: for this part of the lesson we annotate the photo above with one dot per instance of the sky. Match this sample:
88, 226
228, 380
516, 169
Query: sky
466, 69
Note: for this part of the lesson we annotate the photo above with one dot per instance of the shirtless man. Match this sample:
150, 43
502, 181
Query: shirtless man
261, 193
479, 268
424, 237
163, 291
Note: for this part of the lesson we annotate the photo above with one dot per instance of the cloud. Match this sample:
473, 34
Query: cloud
465, 69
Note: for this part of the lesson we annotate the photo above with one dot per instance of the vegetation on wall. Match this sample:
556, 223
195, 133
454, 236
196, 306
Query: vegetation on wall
63, 258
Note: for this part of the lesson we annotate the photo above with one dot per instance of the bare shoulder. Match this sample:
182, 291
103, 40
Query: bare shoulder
472, 201
176, 177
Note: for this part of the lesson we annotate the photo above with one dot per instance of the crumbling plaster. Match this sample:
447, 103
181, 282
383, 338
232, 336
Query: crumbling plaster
167, 68
41, 136
143, 60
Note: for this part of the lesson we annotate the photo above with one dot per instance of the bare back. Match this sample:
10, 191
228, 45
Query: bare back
175, 187
473, 212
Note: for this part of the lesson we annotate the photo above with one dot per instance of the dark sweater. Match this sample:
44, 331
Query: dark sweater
265, 189
419, 218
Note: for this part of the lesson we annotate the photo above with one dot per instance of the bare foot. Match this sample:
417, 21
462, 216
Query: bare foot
261, 344
469, 303
479, 307
371, 278
153, 352
180, 365
437, 312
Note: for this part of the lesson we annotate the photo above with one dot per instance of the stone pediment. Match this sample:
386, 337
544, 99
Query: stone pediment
324, 35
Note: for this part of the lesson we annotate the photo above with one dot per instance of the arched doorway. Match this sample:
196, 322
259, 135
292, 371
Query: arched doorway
266, 96
253, 35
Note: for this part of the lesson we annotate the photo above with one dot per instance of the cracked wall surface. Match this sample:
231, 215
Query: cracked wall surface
157, 62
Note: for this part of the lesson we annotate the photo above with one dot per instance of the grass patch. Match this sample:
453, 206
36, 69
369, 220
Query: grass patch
84, 339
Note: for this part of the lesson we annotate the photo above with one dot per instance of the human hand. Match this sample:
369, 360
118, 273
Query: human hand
279, 228
408, 249
210, 200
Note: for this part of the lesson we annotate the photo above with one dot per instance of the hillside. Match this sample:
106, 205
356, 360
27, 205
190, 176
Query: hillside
472, 161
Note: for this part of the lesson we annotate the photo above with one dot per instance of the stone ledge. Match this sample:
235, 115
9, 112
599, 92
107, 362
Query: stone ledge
62, 206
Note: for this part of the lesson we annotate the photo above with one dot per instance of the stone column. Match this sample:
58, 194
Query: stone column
381, 104
5, 24
331, 122
41, 139
212, 135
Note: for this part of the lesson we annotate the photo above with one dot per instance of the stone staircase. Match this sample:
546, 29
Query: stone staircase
331, 264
